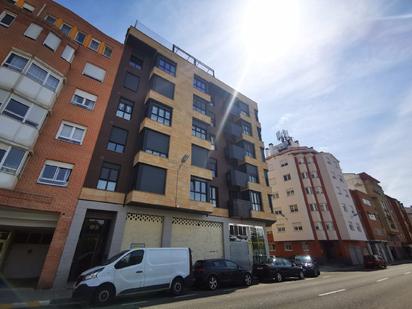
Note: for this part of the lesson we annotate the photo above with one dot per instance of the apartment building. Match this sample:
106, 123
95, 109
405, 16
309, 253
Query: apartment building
381, 204
408, 211
179, 162
56, 76
316, 214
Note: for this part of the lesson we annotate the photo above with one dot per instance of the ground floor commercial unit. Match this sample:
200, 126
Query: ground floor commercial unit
381, 248
324, 251
100, 230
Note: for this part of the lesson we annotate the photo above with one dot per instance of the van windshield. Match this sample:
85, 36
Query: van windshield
114, 257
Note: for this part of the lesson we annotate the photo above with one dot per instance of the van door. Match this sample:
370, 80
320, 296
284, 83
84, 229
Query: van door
129, 272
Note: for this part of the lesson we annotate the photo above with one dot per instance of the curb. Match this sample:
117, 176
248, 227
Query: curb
28, 304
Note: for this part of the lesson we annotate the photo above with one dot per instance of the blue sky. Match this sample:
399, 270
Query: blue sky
336, 74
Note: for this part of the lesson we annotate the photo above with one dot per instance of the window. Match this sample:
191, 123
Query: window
200, 105
155, 143
338, 189
266, 174
28, 7
6, 18
65, 28
290, 192
252, 172
25, 112
293, 208
372, 216
200, 84
131, 81
358, 227
249, 149
109, 175
212, 165
309, 190
16, 62
305, 246
124, 109
255, 199
314, 174
50, 19
55, 173
256, 115
286, 177
133, 258
94, 44
262, 153
278, 211
70, 132
238, 230
84, 99
276, 195
297, 227
318, 226
319, 190
288, 246
242, 107
214, 196
270, 203
80, 37
199, 129
199, 156
11, 159
136, 62
246, 128
162, 86
107, 52
33, 31
160, 113
52, 41
43, 77
68, 53
259, 132
304, 175
313, 206
166, 65
329, 226
212, 118
150, 179
118, 139
280, 228
351, 226
345, 209
323, 207
94, 72
283, 163
366, 202
198, 189
272, 247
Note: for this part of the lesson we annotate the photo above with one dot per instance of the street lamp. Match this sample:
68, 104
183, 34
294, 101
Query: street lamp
182, 161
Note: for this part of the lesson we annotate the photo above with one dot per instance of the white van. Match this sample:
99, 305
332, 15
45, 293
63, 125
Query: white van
133, 271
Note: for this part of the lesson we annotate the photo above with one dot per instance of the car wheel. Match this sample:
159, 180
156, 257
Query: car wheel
278, 277
318, 273
301, 275
103, 295
247, 279
212, 283
177, 287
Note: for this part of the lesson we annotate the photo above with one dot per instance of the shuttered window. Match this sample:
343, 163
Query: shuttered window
94, 72
52, 41
33, 31
68, 53
155, 143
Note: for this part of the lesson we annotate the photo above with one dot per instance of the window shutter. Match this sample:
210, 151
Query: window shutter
85, 95
94, 72
68, 53
33, 31
52, 41
156, 141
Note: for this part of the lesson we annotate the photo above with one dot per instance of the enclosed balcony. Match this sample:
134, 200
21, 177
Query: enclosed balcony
240, 209
236, 178
235, 152
233, 130
18, 132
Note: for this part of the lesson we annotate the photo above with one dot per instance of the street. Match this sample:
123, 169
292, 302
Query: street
389, 288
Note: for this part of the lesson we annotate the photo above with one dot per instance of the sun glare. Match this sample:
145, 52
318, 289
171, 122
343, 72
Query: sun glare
270, 29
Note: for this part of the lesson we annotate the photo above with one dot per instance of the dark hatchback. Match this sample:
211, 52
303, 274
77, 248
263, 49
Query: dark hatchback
214, 273
374, 261
309, 265
277, 269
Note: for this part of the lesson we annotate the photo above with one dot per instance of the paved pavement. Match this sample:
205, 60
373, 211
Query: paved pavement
390, 288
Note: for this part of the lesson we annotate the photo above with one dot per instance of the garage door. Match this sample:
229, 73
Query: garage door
204, 238
142, 231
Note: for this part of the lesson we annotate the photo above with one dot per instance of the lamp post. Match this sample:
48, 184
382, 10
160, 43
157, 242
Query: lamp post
182, 161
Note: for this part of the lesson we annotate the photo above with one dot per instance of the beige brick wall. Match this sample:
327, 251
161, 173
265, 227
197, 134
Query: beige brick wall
142, 229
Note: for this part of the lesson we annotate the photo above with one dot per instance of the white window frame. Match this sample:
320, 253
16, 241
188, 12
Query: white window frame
66, 24
7, 148
75, 37
280, 228
290, 192
297, 227
28, 7
3, 14
104, 51
83, 94
293, 208
95, 40
58, 165
74, 126
45, 19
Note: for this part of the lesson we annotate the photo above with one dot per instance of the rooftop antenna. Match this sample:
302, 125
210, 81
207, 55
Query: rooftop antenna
283, 136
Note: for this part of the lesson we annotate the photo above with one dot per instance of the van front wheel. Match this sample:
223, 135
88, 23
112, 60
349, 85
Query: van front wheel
177, 287
103, 295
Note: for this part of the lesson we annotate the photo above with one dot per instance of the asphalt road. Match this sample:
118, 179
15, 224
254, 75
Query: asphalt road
390, 288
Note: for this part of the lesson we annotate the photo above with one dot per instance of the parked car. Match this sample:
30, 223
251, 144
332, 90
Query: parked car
214, 273
309, 265
133, 271
277, 269
374, 261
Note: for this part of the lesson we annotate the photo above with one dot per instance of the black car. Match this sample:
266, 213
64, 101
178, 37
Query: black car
309, 265
277, 269
218, 272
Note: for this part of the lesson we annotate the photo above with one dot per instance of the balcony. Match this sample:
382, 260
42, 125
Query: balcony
234, 152
236, 178
263, 216
27, 87
7, 181
233, 130
240, 209
17, 132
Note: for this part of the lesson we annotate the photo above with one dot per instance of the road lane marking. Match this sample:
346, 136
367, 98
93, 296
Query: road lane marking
407, 273
135, 303
310, 279
383, 279
332, 292
186, 295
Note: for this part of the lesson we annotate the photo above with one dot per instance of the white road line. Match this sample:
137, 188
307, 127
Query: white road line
383, 279
135, 303
310, 279
407, 273
186, 295
332, 292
